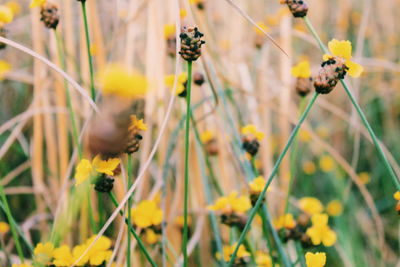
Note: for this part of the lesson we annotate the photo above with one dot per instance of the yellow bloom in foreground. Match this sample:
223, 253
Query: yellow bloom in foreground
4, 228
36, 3
206, 136
105, 166
251, 129
310, 205
326, 163
21, 265
14, 6
6, 14
151, 237
146, 214
4, 68
320, 232
83, 171
43, 252
343, 49
263, 259
315, 259
137, 124
309, 167
120, 81
231, 203
228, 251
257, 185
285, 221
180, 85
302, 70
169, 30
63, 256
334, 208
364, 177
100, 251
397, 195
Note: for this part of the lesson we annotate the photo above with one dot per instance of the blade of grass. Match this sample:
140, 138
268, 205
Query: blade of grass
129, 172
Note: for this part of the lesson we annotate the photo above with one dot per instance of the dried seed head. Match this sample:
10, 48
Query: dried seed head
133, 143
49, 15
171, 46
303, 86
234, 220
191, 43
250, 145
3, 33
331, 71
104, 184
198, 78
299, 8
303, 220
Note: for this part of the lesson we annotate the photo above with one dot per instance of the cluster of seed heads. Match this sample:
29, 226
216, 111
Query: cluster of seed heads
104, 184
49, 15
191, 43
299, 8
133, 143
331, 71
250, 145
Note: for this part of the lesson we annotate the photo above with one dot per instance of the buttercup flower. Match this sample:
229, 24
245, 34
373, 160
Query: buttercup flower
6, 15
364, 177
396, 195
251, 129
36, 3
181, 83
4, 228
285, 221
151, 237
5, 67
326, 163
263, 259
302, 70
85, 168
21, 265
43, 252
137, 124
14, 6
206, 136
241, 256
334, 208
169, 31
231, 203
309, 167
320, 232
310, 205
315, 259
147, 214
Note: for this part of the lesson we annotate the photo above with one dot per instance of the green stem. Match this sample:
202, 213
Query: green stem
254, 210
129, 171
300, 254
186, 187
359, 111
135, 235
90, 59
12, 225
92, 221
75, 135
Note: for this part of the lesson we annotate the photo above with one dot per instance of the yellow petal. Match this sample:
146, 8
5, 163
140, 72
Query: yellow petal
6, 14
355, 69
302, 70
83, 171
315, 259
329, 238
105, 166
36, 3
340, 48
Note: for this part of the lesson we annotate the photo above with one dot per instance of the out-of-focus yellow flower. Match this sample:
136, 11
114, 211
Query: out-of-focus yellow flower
179, 220
83, 171
43, 252
196, 1
21, 265
322, 132
169, 30
14, 6
315, 259
251, 129
326, 163
63, 256
6, 14
343, 49
262, 26
151, 237
320, 232
397, 195
304, 136
5, 67
285, 221
105, 166
263, 259
309, 167
137, 124
228, 251
94, 49
4, 228
334, 208
231, 203
146, 214
302, 70
120, 81
311, 205
181, 83
364, 177
36, 3
257, 185
206, 136
183, 13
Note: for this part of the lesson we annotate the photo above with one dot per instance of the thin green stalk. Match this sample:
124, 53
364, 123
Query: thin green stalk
254, 210
359, 111
12, 226
186, 187
129, 171
92, 221
75, 135
300, 254
90, 59
135, 235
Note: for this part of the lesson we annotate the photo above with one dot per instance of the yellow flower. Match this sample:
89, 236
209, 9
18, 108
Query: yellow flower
100, 251
397, 195
151, 237
137, 124
322, 132
14, 6
62, 256
4, 228
326, 163
120, 81
105, 166
5, 67
180, 85
43, 252
228, 251
257, 185
334, 208
263, 259
262, 26
83, 171
302, 70
364, 177
251, 129
315, 259
196, 1
320, 231
309, 167
231, 203
206, 136
36, 3
343, 49
285, 221
6, 14
182, 13
169, 31
304, 136
310, 205
180, 220
21, 265
147, 214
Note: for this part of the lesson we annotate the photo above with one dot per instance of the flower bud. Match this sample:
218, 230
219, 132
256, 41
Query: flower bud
191, 43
